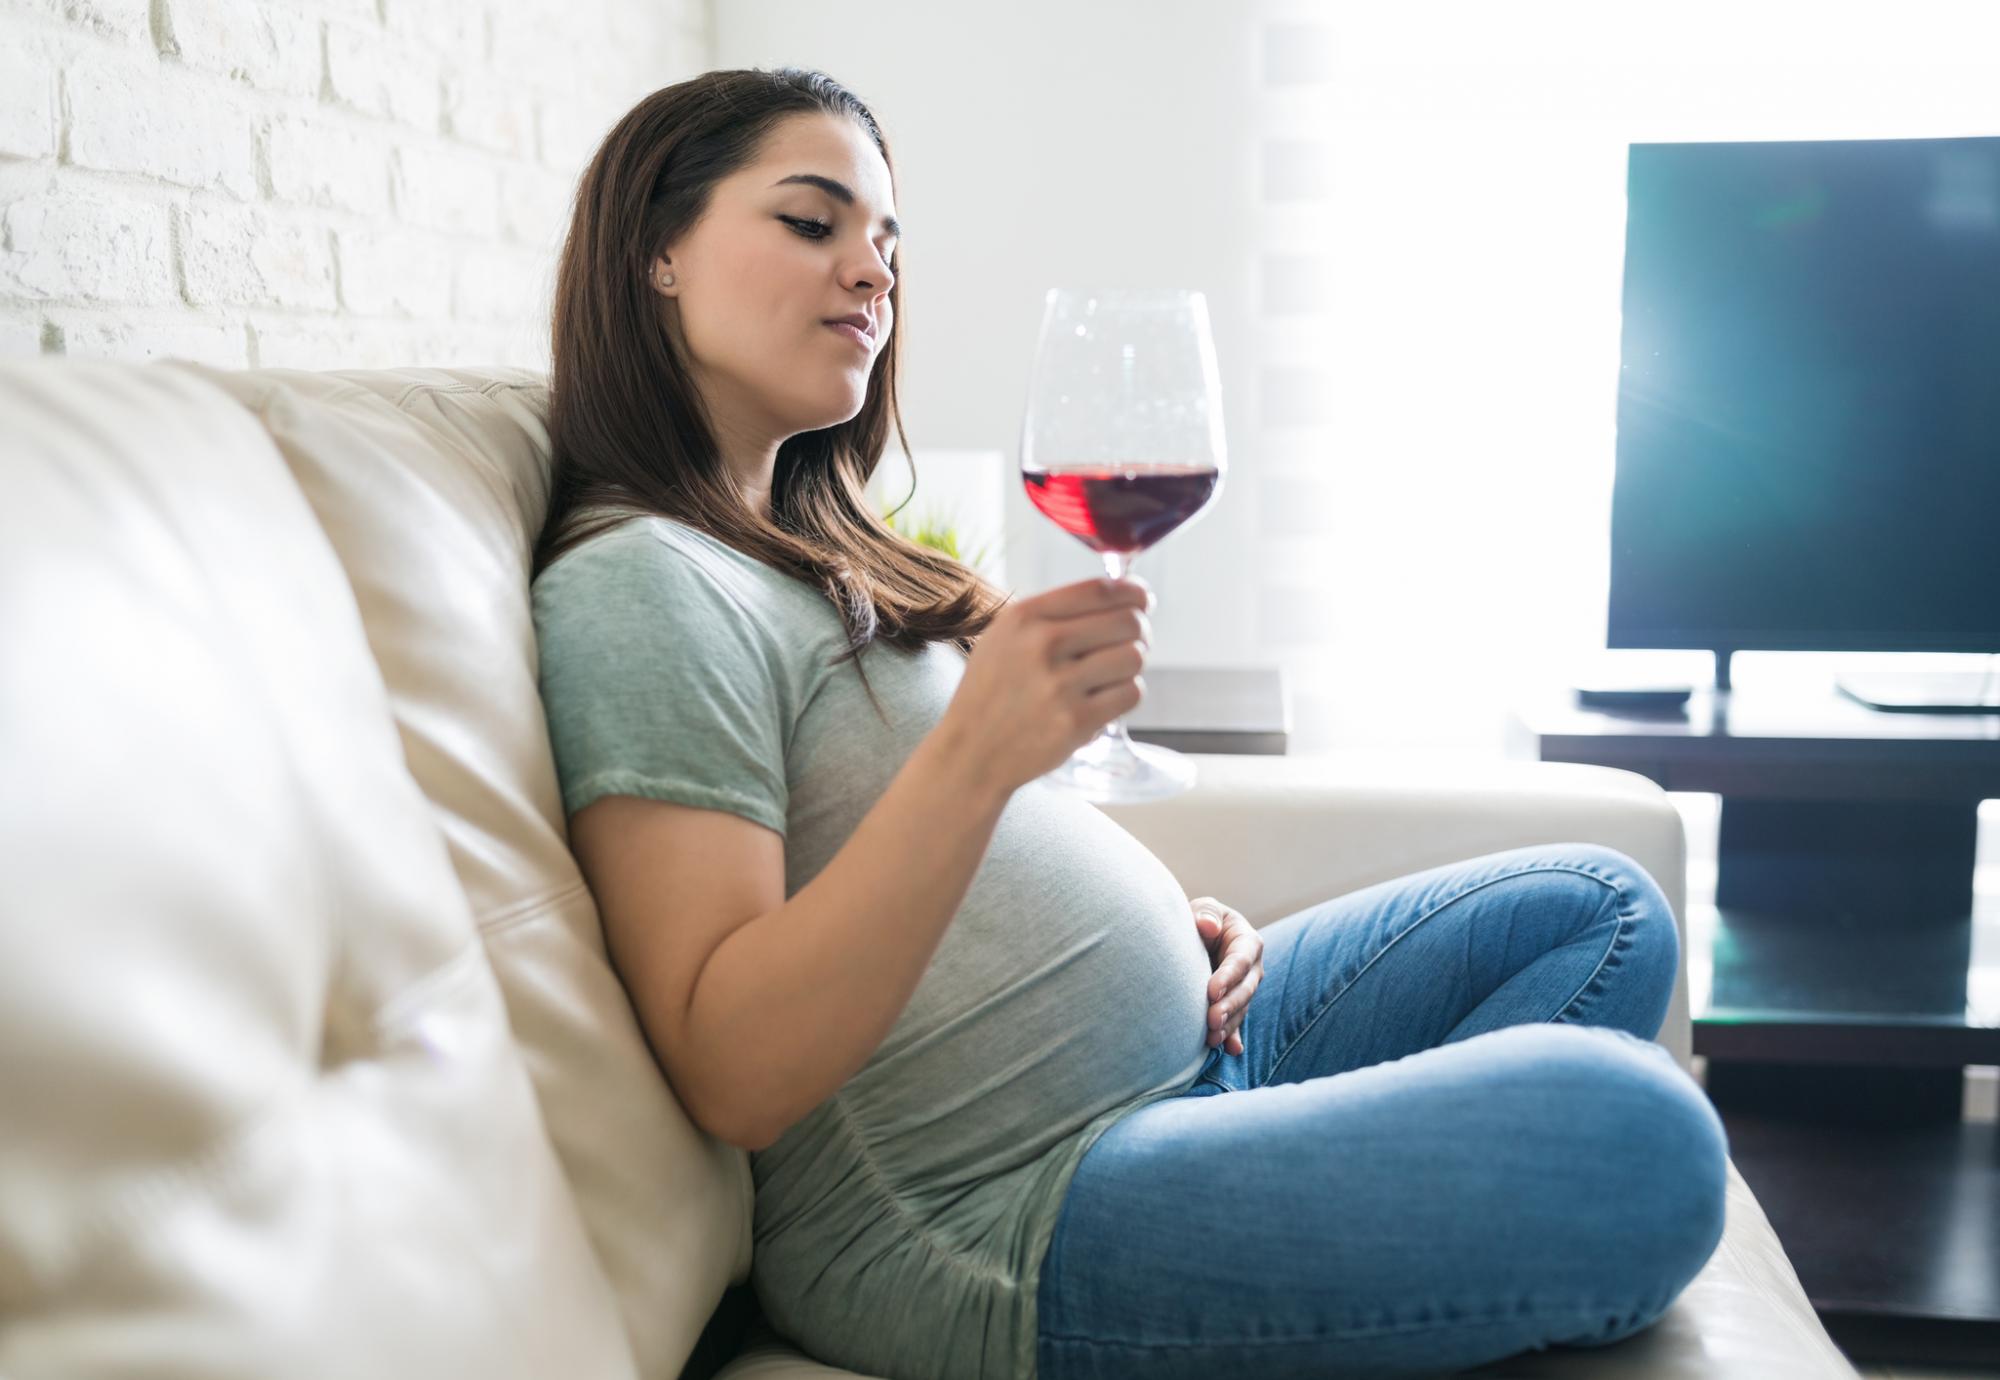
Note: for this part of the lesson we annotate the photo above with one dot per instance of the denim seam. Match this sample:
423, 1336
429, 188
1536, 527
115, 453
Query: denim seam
1614, 955
1306, 1030
1650, 1307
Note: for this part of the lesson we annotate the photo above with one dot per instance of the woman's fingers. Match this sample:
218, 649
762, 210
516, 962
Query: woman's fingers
1230, 1037
1249, 944
1209, 926
1225, 1017
1234, 1001
1239, 1000
1239, 951
1221, 980
1242, 956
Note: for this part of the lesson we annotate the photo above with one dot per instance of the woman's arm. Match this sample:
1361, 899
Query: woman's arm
759, 1008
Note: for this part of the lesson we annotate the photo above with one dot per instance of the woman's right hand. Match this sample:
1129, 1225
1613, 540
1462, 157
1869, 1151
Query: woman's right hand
1047, 674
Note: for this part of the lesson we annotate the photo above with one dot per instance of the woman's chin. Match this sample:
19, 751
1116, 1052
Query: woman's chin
845, 406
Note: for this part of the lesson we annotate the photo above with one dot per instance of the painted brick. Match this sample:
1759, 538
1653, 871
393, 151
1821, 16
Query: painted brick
124, 19
331, 345
457, 30
368, 72
27, 102
222, 344
472, 345
534, 41
446, 188
246, 256
535, 205
394, 273
131, 117
20, 336
502, 285
245, 40
495, 115
568, 134
63, 245
317, 160
367, 11
306, 183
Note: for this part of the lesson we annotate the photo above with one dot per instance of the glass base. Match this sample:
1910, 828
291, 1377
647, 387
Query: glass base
1111, 769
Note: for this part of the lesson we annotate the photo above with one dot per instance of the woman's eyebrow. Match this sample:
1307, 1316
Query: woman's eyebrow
840, 192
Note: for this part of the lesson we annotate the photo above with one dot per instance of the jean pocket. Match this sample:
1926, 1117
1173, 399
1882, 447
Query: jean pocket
1210, 1078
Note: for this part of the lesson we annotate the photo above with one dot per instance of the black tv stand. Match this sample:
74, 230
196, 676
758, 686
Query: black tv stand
1905, 692
1836, 989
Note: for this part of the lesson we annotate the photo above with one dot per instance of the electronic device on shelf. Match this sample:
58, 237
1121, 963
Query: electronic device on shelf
1646, 695
1806, 429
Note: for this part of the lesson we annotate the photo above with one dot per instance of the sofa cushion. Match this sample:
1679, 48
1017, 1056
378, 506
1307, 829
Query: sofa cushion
430, 485
263, 1115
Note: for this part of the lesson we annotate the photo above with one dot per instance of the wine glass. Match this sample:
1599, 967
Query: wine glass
1122, 444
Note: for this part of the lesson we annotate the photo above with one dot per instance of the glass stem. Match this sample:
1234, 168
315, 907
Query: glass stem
1116, 564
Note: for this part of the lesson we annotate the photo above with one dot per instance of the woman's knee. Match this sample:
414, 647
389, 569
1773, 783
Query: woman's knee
1652, 942
1646, 1175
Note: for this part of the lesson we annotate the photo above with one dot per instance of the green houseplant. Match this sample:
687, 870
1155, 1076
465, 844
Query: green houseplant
935, 533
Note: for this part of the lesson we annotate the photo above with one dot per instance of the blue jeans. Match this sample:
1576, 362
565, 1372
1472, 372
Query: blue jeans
1449, 1138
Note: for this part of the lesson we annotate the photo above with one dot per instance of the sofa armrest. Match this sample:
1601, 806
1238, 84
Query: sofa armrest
1273, 835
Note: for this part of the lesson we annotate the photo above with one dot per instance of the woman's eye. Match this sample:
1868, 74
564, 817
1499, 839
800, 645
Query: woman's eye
823, 229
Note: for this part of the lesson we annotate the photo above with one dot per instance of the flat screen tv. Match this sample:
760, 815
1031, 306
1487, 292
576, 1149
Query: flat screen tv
1808, 424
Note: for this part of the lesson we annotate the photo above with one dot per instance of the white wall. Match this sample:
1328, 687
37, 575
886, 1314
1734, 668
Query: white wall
308, 183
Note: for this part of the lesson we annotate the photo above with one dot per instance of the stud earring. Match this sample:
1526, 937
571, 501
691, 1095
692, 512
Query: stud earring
666, 280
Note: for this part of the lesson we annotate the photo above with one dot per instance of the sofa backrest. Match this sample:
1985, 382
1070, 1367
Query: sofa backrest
263, 1111
426, 487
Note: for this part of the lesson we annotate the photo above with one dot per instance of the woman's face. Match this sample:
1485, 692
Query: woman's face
769, 263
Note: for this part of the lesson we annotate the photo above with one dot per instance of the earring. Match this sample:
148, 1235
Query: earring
666, 280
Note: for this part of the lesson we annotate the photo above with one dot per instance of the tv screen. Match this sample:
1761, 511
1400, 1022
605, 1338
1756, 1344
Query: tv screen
1808, 443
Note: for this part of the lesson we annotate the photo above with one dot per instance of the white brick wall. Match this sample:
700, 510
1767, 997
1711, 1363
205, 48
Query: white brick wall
307, 183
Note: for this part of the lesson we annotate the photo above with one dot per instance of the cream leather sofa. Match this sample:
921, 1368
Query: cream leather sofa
311, 1063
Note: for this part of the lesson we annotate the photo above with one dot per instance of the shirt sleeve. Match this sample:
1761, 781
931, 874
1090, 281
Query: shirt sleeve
657, 682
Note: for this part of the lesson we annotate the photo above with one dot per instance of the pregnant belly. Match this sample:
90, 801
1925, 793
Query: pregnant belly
1071, 980
976, 1081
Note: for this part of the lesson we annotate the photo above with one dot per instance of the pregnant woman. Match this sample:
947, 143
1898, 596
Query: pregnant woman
1015, 1105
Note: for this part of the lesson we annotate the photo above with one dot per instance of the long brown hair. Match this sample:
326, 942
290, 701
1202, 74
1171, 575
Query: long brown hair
630, 432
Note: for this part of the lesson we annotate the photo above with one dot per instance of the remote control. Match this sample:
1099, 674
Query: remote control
1662, 695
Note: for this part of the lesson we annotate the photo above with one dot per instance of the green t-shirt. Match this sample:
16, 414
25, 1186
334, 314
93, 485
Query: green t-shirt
900, 1226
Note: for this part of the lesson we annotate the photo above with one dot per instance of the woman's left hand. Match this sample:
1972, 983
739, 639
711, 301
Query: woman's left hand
1236, 954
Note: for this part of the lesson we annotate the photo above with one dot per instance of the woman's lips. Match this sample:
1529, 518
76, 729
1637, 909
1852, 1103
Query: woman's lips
853, 333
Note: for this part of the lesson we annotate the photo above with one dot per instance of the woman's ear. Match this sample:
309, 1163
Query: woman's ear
663, 275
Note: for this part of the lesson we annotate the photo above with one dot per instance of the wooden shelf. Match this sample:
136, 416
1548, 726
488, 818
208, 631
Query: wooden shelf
1239, 709
1834, 988
1892, 1230
1839, 981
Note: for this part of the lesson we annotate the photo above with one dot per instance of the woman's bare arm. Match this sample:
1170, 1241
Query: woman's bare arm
758, 1007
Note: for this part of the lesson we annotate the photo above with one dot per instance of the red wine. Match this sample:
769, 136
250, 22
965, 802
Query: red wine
1114, 509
